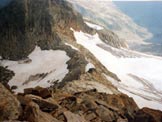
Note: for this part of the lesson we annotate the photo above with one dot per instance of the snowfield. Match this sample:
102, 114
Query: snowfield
94, 26
140, 74
44, 67
72, 46
89, 66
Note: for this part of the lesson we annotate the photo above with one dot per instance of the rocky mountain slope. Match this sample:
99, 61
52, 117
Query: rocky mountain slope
36, 22
41, 104
106, 13
45, 24
38, 48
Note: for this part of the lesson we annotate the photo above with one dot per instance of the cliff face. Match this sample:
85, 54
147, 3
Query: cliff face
26, 23
23, 23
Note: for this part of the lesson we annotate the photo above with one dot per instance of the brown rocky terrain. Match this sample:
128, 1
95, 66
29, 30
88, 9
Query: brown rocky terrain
42, 104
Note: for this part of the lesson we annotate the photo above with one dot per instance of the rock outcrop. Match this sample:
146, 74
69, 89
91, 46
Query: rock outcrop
10, 108
26, 23
148, 115
111, 39
62, 106
5, 76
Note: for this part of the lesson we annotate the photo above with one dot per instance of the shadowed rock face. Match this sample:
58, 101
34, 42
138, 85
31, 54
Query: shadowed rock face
25, 23
148, 115
5, 75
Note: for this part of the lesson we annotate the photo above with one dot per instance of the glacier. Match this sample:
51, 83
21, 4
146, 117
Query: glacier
140, 74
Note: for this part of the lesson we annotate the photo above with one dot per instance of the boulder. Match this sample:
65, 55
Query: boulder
90, 115
125, 104
10, 108
5, 76
89, 103
44, 105
105, 114
39, 91
71, 117
69, 102
148, 115
88, 106
34, 114
108, 107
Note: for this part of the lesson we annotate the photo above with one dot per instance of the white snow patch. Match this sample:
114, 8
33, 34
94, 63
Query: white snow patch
72, 29
97, 27
139, 75
50, 62
72, 46
141, 99
89, 66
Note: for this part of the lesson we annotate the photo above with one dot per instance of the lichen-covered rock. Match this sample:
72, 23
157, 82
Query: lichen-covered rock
10, 108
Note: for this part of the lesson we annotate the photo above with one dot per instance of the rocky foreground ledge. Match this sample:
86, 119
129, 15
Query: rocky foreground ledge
45, 105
